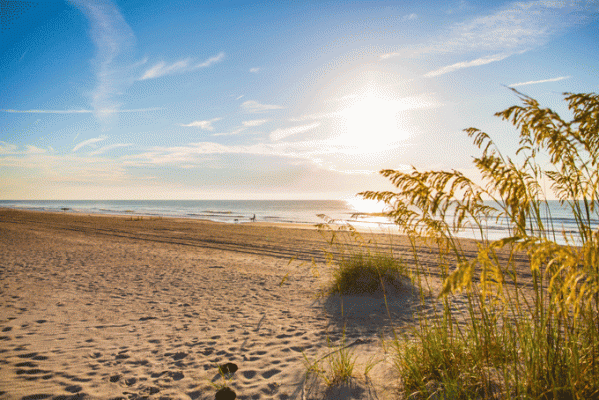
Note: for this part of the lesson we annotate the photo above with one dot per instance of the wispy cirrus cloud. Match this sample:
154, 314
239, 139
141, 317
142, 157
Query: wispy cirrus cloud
235, 131
253, 106
205, 125
244, 128
77, 111
254, 70
560, 78
255, 122
38, 169
513, 29
162, 68
89, 142
197, 153
279, 134
8, 148
113, 39
181, 66
467, 64
104, 149
212, 60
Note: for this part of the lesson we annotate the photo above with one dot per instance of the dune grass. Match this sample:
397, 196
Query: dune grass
358, 265
537, 340
336, 367
365, 273
530, 339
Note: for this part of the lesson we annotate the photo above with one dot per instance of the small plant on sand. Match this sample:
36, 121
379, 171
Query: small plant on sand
224, 392
533, 335
359, 266
335, 367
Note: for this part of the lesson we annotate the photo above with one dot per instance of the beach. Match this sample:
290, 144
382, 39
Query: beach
106, 307
122, 307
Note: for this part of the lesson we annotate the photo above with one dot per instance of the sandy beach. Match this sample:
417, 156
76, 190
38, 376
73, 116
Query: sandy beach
107, 307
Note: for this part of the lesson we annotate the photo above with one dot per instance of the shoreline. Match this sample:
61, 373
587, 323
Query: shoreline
376, 230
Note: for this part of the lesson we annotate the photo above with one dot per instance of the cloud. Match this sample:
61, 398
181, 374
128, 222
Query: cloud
37, 170
196, 153
89, 142
561, 78
255, 70
212, 60
233, 132
162, 68
314, 116
520, 25
246, 124
515, 28
77, 111
109, 147
113, 39
181, 66
29, 149
283, 133
255, 107
467, 64
11, 149
255, 122
7, 148
206, 124
411, 17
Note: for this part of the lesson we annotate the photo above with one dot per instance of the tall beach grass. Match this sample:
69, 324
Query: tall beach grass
531, 323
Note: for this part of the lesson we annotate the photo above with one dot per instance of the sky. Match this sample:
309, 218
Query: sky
191, 99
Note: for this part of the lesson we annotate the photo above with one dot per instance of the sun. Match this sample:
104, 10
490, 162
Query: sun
371, 121
361, 205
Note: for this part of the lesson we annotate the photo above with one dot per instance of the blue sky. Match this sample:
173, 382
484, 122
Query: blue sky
190, 99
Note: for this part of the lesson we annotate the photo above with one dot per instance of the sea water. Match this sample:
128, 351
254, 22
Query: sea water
360, 213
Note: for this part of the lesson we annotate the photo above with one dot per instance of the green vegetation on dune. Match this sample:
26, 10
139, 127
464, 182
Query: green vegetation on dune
534, 338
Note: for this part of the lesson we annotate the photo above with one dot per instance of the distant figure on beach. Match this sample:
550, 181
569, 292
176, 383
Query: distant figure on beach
253, 219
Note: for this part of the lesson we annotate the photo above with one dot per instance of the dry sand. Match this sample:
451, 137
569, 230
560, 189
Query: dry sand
104, 307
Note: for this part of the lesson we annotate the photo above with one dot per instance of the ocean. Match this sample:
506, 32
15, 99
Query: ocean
360, 213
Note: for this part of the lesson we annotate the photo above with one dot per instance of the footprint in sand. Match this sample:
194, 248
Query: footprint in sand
270, 373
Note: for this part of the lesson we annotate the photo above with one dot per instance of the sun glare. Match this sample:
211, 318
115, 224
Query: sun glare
371, 121
365, 206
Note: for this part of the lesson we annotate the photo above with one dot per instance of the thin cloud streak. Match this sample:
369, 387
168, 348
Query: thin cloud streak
279, 134
161, 69
113, 38
517, 28
253, 106
7, 148
255, 122
467, 64
212, 60
89, 142
108, 148
233, 132
78, 111
195, 153
205, 125
182, 66
561, 78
